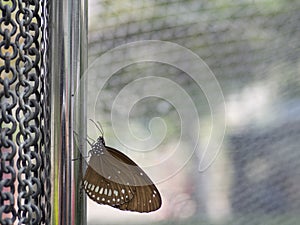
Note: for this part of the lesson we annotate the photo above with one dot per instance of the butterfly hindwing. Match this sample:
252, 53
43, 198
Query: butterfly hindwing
146, 197
114, 179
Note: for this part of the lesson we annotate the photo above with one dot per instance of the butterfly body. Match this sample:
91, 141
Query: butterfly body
114, 179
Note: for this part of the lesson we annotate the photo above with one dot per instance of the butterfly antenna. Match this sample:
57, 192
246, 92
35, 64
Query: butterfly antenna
99, 127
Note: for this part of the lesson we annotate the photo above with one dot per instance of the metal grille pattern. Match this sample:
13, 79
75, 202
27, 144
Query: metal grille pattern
24, 101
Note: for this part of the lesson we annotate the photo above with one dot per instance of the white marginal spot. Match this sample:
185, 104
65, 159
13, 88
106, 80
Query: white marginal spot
119, 171
114, 199
93, 196
122, 197
123, 191
150, 201
103, 199
109, 177
153, 195
98, 198
101, 191
126, 196
141, 174
97, 189
118, 200
108, 201
154, 192
116, 192
109, 193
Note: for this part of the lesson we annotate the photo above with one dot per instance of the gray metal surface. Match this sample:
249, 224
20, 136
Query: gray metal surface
25, 112
67, 64
39, 73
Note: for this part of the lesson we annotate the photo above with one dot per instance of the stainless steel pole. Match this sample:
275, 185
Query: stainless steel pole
69, 60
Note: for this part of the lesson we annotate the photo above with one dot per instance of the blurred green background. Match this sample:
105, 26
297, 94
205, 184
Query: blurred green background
252, 48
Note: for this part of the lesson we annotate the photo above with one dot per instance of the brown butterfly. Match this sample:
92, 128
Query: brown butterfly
114, 179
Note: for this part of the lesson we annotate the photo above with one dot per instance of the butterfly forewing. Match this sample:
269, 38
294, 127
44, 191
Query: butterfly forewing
105, 191
113, 178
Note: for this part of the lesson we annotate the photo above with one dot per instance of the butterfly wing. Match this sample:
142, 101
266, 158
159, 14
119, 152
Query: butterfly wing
104, 191
113, 178
146, 197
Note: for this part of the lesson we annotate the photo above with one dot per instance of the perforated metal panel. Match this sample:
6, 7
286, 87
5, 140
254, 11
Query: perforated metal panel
25, 113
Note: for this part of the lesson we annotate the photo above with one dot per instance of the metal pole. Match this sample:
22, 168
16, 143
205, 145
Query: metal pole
68, 61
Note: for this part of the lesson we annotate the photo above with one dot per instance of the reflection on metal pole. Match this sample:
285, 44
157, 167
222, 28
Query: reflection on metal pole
69, 59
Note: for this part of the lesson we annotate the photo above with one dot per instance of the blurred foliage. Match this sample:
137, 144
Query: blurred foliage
241, 41
253, 49
241, 219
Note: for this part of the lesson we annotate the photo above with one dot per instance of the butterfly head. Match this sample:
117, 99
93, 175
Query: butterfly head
100, 140
98, 147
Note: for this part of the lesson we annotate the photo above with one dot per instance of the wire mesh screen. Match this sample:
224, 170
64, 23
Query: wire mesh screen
252, 49
24, 113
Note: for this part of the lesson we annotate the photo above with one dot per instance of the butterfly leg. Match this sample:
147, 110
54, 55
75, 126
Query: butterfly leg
88, 139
